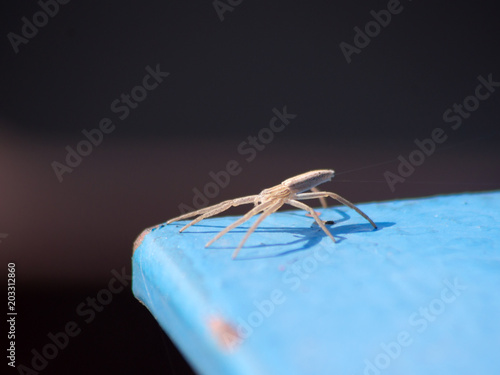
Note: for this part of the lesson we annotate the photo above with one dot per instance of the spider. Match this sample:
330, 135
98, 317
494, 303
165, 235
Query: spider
290, 191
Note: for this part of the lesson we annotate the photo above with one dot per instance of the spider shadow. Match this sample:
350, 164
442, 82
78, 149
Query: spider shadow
309, 236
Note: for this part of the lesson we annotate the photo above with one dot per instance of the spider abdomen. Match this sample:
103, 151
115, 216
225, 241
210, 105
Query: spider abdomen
308, 180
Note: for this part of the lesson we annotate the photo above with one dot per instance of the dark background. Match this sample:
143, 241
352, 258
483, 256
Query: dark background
225, 78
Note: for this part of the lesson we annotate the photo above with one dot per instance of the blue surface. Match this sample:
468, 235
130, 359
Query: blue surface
417, 296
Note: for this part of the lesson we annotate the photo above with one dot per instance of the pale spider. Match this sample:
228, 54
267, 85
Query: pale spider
290, 191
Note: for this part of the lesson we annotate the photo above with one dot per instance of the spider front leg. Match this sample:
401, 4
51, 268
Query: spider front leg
254, 211
268, 211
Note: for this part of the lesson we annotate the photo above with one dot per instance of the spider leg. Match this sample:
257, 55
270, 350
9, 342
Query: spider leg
268, 211
336, 197
314, 215
247, 216
322, 200
218, 208
212, 210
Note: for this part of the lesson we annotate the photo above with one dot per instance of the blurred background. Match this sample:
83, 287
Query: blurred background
176, 91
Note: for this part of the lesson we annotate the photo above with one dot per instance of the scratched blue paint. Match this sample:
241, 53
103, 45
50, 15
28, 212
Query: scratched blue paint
417, 296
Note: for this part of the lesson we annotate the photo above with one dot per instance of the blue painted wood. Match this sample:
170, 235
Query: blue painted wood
417, 296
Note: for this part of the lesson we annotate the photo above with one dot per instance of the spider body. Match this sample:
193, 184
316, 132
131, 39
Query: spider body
290, 191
